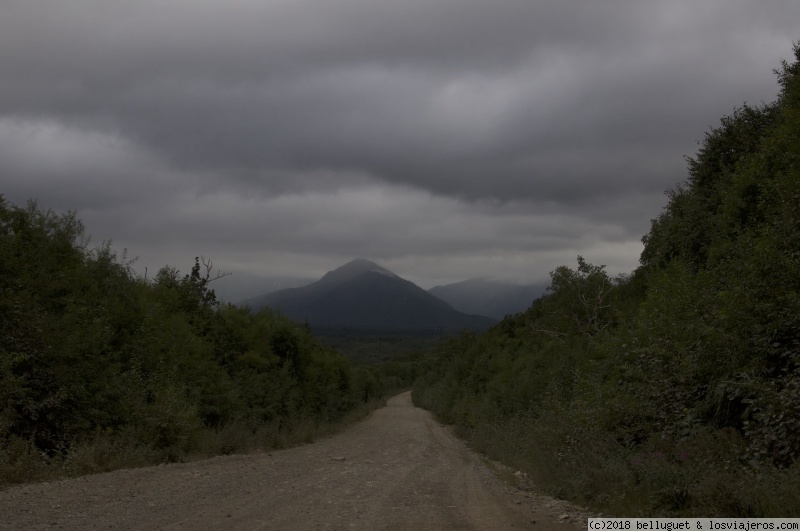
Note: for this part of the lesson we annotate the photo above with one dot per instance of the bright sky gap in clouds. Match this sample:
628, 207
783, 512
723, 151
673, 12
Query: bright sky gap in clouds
444, 139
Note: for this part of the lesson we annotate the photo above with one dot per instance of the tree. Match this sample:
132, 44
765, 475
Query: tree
577, 301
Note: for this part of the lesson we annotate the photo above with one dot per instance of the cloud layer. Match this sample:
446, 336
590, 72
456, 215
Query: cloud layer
445, 138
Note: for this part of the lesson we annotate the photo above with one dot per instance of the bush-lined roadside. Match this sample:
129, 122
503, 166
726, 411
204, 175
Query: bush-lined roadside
674, 390
100, 368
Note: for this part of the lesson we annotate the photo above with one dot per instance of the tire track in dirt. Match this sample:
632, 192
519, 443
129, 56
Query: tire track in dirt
399, 469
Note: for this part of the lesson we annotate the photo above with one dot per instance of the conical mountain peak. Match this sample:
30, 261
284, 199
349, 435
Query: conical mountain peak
352, 269
361, 295
360, 264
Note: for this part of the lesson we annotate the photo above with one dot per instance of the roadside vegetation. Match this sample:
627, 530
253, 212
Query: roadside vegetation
674, 390
101, 368
380, 350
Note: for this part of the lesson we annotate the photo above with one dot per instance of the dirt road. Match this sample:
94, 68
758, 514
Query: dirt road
399, 469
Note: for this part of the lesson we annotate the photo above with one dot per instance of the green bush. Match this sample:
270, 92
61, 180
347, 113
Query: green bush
95, 360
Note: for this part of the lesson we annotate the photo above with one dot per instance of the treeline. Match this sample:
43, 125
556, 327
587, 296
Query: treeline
101, 368
674, 390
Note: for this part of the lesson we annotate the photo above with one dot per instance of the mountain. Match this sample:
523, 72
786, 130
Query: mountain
488, 297
362, 295
239, 287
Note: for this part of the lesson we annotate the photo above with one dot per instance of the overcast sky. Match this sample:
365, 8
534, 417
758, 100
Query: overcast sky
444, 139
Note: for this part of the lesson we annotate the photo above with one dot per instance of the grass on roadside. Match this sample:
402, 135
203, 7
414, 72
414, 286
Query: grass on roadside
104, 452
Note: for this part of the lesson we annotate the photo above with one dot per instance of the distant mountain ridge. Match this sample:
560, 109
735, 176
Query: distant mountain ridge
363, 295
489, 297
266, 285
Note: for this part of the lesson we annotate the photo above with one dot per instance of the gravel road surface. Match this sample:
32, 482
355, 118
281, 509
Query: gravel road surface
398, 469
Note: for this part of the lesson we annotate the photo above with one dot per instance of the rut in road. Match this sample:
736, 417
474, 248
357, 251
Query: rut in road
398, 469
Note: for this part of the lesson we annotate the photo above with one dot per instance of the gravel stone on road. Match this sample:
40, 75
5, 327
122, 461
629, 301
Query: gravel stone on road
398, 469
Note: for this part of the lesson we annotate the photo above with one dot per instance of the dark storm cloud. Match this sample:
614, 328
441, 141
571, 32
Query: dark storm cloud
447, 127
468, 98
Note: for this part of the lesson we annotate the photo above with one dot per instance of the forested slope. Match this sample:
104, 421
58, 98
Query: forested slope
101, 368
675, 389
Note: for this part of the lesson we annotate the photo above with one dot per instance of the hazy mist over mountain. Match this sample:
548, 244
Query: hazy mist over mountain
248, 285
489, 297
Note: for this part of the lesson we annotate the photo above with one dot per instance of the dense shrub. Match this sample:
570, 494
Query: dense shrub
93, 356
